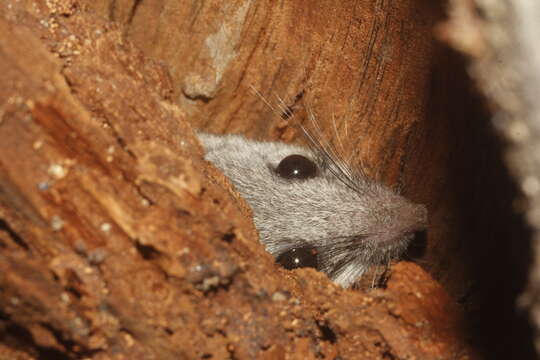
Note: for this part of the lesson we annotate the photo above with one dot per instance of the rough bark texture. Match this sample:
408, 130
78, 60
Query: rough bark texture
400, 102
371, 71
118, 241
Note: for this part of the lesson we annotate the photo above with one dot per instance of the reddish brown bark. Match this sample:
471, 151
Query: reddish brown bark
371, 71
119, 241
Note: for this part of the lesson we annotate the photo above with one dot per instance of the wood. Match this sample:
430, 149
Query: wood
388, 94
118, 241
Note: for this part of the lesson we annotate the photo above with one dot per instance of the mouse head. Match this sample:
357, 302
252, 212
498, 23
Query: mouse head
310, 210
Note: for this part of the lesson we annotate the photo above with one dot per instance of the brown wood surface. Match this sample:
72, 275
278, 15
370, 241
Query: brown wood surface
118, 241
389, 95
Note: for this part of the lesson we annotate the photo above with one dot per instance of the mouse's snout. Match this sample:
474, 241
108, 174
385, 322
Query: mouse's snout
411, 218
420, 217
406, 220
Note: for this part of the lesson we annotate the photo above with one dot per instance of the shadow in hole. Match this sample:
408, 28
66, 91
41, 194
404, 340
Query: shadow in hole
494, 239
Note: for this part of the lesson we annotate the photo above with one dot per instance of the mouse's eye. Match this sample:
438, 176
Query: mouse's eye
296, 167
299, 257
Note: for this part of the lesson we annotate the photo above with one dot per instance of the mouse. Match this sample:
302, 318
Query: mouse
312, 210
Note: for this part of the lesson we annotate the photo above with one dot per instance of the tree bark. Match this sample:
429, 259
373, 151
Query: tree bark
118, 241
390, 96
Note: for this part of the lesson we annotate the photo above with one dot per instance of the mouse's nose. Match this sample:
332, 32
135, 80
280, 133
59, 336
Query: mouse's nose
411, 218
402, 221
421, 215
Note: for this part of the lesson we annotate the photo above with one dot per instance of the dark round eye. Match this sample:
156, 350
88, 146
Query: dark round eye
299, 257
296, 167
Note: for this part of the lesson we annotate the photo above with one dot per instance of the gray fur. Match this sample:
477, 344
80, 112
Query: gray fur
352, 228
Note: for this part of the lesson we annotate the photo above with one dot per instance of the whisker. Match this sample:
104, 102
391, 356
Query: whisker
337, 165
263, 98
346, 128
338, 138
374, 278
286, 112
344, 168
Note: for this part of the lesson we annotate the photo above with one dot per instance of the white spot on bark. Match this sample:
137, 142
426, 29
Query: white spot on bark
57, 223
57, 171
221, 48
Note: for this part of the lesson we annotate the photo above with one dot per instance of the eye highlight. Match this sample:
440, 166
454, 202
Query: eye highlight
299, 257
296, 167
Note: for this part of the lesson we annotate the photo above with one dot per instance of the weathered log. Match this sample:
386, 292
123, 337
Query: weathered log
403, 106
371, 71
119, 241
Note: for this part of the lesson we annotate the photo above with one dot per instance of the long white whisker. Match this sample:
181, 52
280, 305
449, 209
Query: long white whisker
285, 109
263, 99
374, 278
346, 129
333, 163
330, 150
336, 163
340, 143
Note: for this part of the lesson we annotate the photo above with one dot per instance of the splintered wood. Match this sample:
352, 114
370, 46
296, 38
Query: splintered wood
118, 241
